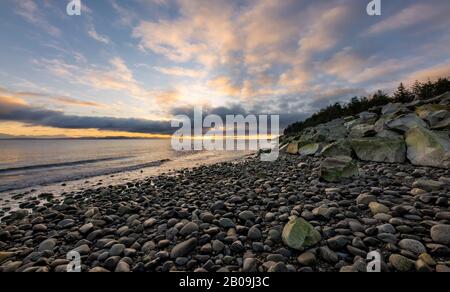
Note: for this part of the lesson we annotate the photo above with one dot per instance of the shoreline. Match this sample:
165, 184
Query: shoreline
230, 217
130, 176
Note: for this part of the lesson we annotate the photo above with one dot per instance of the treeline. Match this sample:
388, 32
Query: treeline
359, 104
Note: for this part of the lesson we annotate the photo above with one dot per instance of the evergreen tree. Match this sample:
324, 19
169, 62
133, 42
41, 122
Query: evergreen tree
402, 94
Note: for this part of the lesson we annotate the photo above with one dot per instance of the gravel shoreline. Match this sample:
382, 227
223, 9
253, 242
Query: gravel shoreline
230, 217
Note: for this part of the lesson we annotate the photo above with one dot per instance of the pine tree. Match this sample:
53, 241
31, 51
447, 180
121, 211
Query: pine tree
402, 94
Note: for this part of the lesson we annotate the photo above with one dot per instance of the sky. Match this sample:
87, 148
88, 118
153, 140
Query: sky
127, 68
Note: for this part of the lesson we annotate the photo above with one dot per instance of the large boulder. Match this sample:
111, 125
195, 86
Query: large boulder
389, 134
393, 108
363, 130
368, 117
428, 148
338, 148
443, 124
437, 115
309, 149
292, 148
378, 149
299, 234
334, 169
405, 122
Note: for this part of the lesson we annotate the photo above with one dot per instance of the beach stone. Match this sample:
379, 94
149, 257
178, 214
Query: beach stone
226, 223
91, 212
328, 255
298, 234
66, 223
47, 245
189, 228
306, 259
122, 267
98, 270
86, 228
428, 185
250, 265
412, 245
422, 267
426, 258
82, 249
401, 263
149, 223
39, 228
365, 199
247, 215
254, 233
117, 250
217, 245
4, 255
441, 234
337, 242
184, 248
377, 208
442, 269
386, 228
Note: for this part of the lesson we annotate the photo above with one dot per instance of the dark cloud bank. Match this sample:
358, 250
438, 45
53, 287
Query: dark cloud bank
43, 117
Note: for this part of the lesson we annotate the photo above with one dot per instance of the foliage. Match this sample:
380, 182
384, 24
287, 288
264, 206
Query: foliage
359, 104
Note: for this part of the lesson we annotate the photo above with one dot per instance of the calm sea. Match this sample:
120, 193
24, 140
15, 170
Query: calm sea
28, 163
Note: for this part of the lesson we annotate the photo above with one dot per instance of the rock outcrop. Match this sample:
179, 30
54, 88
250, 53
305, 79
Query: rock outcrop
416, 132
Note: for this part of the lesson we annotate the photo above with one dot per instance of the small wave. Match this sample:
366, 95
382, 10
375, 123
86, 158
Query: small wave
73, 177
62, 164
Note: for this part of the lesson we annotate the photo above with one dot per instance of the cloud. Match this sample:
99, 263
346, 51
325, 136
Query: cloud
19, 96
29, 10
431, 73
414, 14
116, 77
98, 37
179, 71
11, 110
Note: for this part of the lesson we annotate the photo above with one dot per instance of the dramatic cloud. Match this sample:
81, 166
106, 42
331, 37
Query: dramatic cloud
12, 110
289, 57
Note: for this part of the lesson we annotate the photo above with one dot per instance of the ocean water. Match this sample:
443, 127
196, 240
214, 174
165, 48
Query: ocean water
36, 163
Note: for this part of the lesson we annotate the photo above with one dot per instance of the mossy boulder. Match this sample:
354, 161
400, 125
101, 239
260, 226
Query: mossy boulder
363, 130
405, 122
292, 148
428, 148
300, 234
378, 149
335, 169
338, 148
309, 149
426, 110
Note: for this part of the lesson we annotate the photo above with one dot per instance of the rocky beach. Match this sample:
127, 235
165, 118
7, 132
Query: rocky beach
378, 181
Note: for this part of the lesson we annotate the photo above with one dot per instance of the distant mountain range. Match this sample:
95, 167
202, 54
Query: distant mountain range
11, 137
